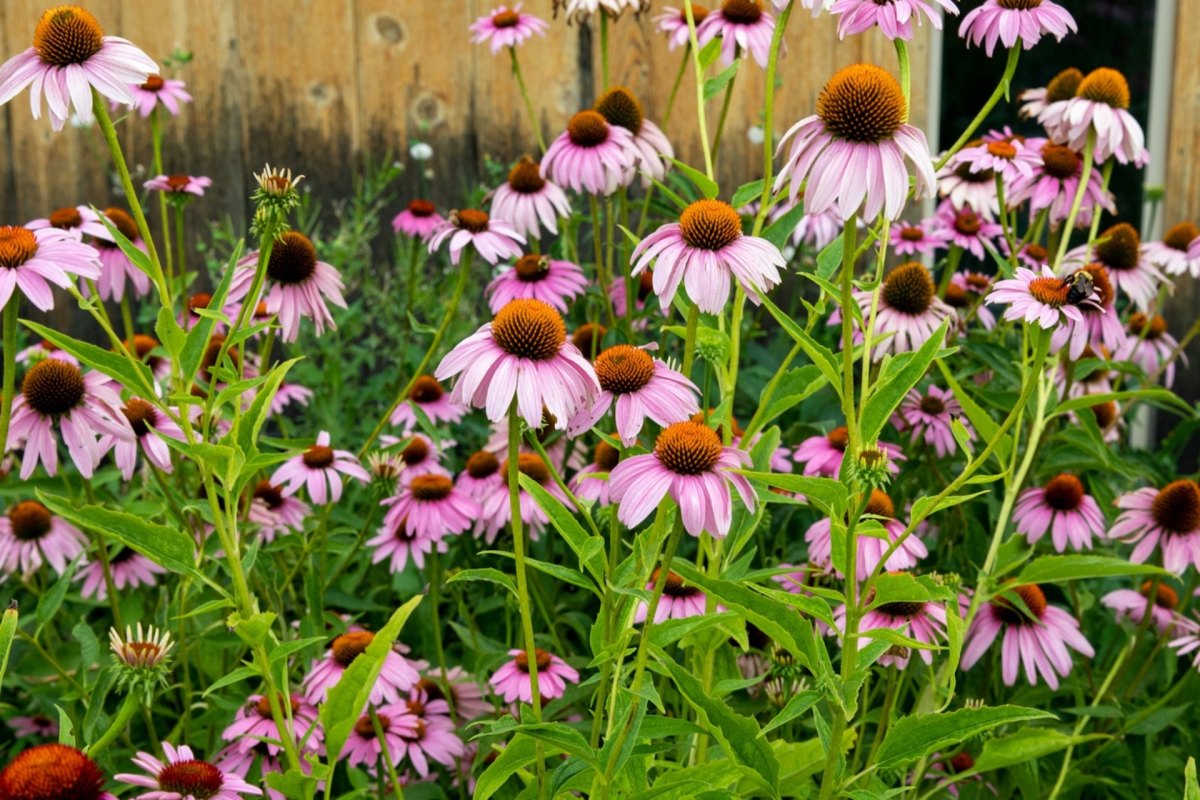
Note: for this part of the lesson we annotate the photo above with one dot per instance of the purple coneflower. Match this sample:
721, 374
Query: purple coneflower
318, 468
892, 17
1061, 87
31, 260
464, 690
1038, 298
170, 93
431, 506
522, 354
1061, 508
591, 156
1032, 255
418, 221
529, 202
420, 455
1135, 604
35, 725
428, 396
506, 27
964, 289
1149, 345
822, 455
76, 222
673, 24
1100, 107
537, 277
289, 394
396, 676
150, 426
1054, 183
703, 250
817, 231
493, 239
184, 777
276, 513
480, 476
914, 239
964, 188
397, 543
115, 267
928, 416
1005, 155
909, 310
300, 284
253, 724
82, 406
1100, 325
31, 536
743, 25
579, 10
586, 485
870, 548
53, 772
433, 737
640, 386
497, 510
963, 227
620, 107
1167, 518
70, 57
920, 620
129, 569
852, 151
1188, 643
1008, 21
1119, 250
1178, 252
690, 464
512, 680
679, 600
179, 184
1037, 634
363, 746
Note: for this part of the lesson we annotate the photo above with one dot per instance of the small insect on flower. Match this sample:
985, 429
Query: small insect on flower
1079, 287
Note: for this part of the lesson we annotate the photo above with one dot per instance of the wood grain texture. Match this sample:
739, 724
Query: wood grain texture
1182, 199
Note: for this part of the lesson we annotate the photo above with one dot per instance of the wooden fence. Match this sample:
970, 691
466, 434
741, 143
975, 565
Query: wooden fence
317, 84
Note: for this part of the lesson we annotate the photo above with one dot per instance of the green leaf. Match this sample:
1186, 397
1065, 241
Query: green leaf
293, 783
707, 186
717, 83
904, 587
50, 602
709, 53
563, 738
167, 547
8, 629
980, 420
1025, 745
238, 675
795, 386
738, 735
1191, 789
252, 630
778, 232
249, 425
556, 571
818, 353
518, 753
911, 738
778, 621
899, 375
590, 558
830, 258
928, 506
349, 695
1056, 569
825, 493
133, 374
488, 574
690, 782
796, 707
1153, 394
198, 337
747, 192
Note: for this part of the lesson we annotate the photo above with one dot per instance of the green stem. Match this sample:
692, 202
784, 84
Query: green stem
689, 341
849, 233
385, 755
1083, 720
1089, 154
764, 205
905, 74
533, 121
716, 144
756, 422
701, 119
464, 272
518, 534
1001, 90
1098, 211
100, 107
603, 50
8, 393
129, 707
127, 318
180, 250
602, 276
156, 143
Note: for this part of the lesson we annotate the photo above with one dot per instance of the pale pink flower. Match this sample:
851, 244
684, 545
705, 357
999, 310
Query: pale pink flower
822, 455
909, 311
254, 727
32, 260
497, 508
182, 776
150, 426
512, 681
870, 548
679, 600
1119, 250
673, 24
494, 239
129, 570
1167, 519
76, 222
505, 27
1100, 108
1061, 87
298, 284
418, 221
742, 25
1134, 604
928, 415
963, 227
480, 476
914, 239
591, 156
1148, 344
1038, 298
529, 202
653, 151
894, 18
396, 676
170, 93
1055, 182
537, 277
1062, 509
31, 536
70, 57
431, 399
1010, 21
640, 387
1178, 252
179, 184
319, 468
